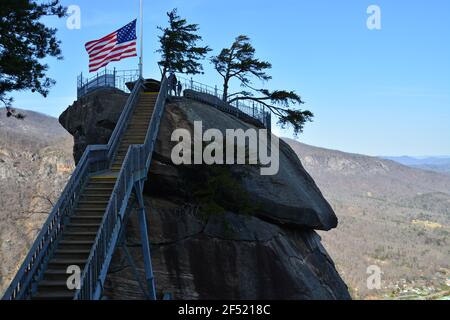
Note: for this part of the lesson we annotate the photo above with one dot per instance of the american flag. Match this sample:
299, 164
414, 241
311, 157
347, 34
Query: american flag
116, 46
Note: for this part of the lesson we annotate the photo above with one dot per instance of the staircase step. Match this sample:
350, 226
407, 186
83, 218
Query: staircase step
83, 219
81, 225
130, 142
139, 120
108, 181
56, 274
98, 189
95, 197
79, 235
55, 295
137, 130
75, 253
75, 244
83, 214
140, 136
67, 262
72, 251
87, 202
146, 112
53, 283
140, 116
101, 185
97, 210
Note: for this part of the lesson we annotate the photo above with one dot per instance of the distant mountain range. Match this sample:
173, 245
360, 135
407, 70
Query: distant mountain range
390, 215
438, 164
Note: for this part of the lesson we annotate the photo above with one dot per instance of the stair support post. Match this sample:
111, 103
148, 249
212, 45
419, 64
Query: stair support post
139, 186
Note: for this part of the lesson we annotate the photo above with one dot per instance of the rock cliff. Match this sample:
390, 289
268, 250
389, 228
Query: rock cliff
35, 164
256, 240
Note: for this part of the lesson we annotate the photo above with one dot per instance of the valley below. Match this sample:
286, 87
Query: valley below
390, 216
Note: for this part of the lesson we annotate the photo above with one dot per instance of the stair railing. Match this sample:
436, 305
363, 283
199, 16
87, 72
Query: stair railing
95, 158
134, 168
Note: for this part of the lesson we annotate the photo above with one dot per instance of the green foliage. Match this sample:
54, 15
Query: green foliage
179, 50
217, 190
239, 62
24, 42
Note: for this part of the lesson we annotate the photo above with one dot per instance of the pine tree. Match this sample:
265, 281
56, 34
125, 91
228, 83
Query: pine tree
24, 42
179, 50
239, 62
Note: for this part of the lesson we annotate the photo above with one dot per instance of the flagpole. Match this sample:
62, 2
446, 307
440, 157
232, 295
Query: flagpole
141, 40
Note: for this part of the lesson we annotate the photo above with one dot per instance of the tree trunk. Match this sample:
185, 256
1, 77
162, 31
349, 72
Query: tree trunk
225, 90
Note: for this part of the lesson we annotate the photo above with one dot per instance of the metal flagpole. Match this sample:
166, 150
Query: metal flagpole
141, 40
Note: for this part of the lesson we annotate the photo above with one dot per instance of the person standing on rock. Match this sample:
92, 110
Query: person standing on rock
179, 88
172, 83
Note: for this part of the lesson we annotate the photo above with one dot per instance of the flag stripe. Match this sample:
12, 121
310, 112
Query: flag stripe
102, 45
134, 54
90, 44
102, 54
114, 54
101, 50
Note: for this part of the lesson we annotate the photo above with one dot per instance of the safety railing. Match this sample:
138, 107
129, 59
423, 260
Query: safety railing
135, 167
254, 109
106, 79
95, 158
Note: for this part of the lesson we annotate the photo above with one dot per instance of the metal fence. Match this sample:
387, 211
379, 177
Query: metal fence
106, 79
119, 78
253, 109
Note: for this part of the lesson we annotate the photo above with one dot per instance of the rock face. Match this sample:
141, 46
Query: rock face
91, 119
271, 254
290, 197
229, 256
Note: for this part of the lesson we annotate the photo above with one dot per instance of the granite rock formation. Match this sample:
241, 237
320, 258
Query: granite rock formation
273, 253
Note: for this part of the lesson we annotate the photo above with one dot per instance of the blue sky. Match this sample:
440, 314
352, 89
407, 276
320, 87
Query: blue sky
375, 92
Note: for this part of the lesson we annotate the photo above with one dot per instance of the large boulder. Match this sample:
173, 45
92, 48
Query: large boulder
290, 197
92, 118
228, 256
273, 253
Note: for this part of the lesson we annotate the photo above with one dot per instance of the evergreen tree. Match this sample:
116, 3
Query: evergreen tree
24, 42
179, 50
239, 62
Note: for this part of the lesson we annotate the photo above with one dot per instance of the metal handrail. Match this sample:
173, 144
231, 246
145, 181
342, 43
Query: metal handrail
95, 158
134, 168
106, 79
123, 119
254, 109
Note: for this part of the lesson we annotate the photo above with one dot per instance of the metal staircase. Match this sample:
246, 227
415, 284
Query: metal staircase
86, 224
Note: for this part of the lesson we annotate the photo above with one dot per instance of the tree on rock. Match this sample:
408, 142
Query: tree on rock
179, 50
24, 42
239, 62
